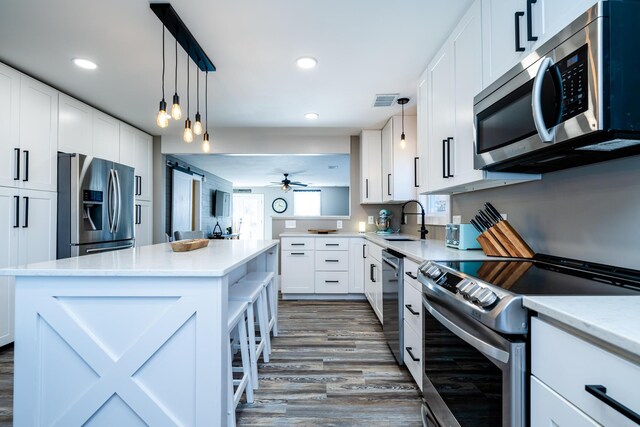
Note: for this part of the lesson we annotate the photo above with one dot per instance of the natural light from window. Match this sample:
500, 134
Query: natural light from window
306, 203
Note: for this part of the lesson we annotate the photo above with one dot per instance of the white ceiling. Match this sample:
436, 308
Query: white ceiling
363, 47
260, 171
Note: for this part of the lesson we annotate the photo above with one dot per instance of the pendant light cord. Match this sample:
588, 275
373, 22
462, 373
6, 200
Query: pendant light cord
176, 73
197, 92
188, 86
403, 118
206, 101
163, 62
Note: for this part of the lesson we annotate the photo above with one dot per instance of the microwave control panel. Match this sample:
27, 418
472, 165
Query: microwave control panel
575, 85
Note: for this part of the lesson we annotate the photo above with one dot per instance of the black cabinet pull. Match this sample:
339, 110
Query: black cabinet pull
140, 189
449, 141
518, 15
331, 260
415, 359
600, 393
444, 159
138, 214
331, 281
363, 251
530, 35
373, 279
297, 244
415, 172
16, 176
332, 244
411, 310
16, 222
366, 185
26, 212
413, 276
388, 184
297, 253
26, 165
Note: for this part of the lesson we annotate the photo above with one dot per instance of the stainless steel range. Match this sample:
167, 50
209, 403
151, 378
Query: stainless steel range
475, 331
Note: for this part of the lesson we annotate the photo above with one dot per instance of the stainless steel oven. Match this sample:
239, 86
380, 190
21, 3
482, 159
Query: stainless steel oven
569, 102
473, 376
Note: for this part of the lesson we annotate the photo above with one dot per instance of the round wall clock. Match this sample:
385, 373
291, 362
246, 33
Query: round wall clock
279, 205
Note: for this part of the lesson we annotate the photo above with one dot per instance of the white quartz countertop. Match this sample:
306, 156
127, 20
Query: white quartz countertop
611, 319
218, 259
416, 249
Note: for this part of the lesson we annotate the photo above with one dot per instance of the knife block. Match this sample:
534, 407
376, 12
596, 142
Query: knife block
503, 240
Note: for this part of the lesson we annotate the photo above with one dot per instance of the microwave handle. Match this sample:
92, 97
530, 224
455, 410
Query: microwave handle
546, 135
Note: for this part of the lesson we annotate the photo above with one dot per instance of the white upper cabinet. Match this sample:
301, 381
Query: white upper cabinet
74, 126
38, 135
370, 166
422, 132
453, 78
511, 29
399, 165
9, 126
136, 150
105, 137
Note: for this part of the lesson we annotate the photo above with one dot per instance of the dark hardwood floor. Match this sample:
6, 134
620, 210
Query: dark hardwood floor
330, 366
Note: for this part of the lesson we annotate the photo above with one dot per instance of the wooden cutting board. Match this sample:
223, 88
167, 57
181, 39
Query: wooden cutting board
322, 231
189, 245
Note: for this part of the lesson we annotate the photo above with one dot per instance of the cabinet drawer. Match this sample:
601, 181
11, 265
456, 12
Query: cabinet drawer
411, 274
567, 364
332, 261
550, 409
297, 272
412, 304
332, 282
295, 243
374, 251
413, 345
332, 244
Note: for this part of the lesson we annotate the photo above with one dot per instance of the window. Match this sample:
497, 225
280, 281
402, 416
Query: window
306, 203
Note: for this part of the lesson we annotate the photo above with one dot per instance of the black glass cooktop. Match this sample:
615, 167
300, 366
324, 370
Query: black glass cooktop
548, 275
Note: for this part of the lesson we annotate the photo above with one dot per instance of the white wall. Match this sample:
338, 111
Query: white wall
264, 141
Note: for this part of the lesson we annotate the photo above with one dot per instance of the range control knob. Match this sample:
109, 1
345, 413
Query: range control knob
476, 292
434, 272
463, 286
469, 290
486, 298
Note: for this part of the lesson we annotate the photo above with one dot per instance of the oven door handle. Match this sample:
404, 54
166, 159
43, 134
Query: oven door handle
546, 135
477, 343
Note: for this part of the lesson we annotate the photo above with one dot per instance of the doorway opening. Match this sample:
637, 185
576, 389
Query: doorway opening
248, 216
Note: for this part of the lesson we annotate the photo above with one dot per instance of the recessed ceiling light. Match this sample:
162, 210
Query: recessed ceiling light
307, 62
311, 116
85, 63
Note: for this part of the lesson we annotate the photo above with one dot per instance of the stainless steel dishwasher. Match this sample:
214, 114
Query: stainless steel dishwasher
392, 297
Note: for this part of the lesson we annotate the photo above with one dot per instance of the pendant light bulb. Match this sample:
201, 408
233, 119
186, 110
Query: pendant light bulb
206, 147
197, 126
162, 120
176, 111
188, 133
403, 142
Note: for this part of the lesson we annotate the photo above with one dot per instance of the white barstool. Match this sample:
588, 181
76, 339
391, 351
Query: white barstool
254, 293
237, 328
269, 279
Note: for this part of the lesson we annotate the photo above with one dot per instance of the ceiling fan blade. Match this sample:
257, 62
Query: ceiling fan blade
299, 184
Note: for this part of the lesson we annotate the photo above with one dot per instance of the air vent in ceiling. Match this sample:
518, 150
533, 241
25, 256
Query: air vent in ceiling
385, 99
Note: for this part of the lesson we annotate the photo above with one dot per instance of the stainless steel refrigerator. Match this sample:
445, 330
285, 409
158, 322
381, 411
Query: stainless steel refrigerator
95, 205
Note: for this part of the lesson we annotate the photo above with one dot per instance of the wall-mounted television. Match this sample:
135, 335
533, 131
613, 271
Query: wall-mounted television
220, 203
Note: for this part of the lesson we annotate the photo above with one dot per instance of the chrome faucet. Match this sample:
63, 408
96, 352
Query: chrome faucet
423, 229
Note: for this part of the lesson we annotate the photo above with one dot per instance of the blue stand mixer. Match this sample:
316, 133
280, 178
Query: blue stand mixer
383, 223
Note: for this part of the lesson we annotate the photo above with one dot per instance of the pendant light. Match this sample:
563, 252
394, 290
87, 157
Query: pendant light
188, 133
403, 142
176, 111
206, 147
162, 120
197, 126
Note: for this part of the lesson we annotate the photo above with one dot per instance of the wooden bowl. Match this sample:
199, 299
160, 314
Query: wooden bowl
189, 245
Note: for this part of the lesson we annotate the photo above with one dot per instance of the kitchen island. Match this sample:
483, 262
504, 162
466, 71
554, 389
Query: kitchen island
128, 338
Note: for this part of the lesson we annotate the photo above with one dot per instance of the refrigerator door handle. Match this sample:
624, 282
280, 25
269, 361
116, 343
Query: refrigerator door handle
110, 201
118, 198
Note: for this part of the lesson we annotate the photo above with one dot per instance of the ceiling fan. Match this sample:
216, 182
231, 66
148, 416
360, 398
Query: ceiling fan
286, 183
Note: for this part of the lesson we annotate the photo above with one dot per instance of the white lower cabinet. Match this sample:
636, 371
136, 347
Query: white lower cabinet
373, 278
567, 365
27, 235
413, 329
298, 272
143, 216
322, 265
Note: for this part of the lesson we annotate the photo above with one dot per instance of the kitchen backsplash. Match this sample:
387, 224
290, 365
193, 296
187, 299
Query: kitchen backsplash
589, 213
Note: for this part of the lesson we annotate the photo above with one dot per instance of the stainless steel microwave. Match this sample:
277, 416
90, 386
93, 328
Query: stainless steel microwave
574, 101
